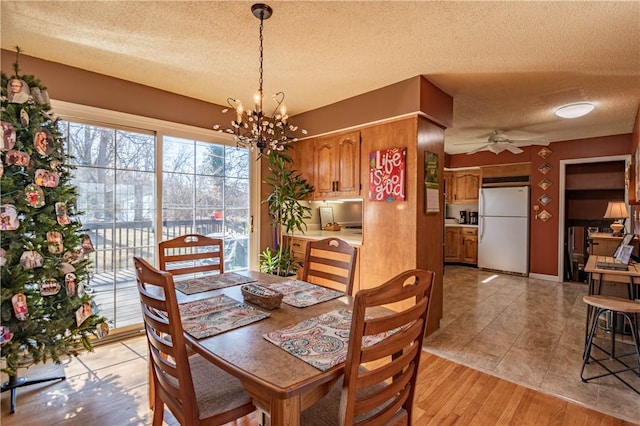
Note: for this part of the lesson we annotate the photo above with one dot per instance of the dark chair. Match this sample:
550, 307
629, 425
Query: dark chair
191, 254
195, 391
379, 380
330, 263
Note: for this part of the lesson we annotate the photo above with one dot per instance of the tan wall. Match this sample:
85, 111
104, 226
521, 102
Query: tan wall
83, 87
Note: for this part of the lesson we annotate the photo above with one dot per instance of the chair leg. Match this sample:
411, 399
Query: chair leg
158, 411
588, 344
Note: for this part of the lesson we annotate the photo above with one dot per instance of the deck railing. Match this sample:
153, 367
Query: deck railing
113, 282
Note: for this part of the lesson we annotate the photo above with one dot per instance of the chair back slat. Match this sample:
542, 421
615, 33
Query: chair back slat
330, 263
191, 254
380, 379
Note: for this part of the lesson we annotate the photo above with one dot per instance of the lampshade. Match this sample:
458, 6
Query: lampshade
616, 210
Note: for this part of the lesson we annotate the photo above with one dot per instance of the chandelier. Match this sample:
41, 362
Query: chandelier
254, 128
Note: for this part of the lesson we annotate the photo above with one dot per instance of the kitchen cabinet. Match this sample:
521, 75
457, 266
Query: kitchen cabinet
469, 252
337, 166
461, 244
301, 154
466, 187
452, 244
448, 186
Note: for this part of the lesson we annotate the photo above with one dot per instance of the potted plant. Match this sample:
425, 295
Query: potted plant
287, 212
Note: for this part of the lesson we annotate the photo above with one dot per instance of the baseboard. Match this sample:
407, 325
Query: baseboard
545, 277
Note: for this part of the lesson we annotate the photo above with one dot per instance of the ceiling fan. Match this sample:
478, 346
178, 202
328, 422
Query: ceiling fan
498, 141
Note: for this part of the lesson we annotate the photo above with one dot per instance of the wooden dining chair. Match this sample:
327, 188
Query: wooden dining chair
192, 254
330, 263
195, 390
380, 379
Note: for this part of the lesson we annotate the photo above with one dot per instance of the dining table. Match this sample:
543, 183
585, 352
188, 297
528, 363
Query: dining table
281, 384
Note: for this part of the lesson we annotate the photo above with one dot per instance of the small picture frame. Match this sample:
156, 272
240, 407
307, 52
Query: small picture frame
624, 253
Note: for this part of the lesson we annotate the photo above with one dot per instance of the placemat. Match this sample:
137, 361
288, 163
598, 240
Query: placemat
204, 318
211, 282
321, 341
301, 294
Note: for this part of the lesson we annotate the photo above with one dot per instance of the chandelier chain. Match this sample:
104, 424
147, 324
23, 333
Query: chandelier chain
261, 58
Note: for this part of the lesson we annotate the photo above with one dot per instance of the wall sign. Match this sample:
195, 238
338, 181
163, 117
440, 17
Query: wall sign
387, 174
431, 183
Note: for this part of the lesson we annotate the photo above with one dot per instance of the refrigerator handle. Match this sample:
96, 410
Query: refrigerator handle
481, 216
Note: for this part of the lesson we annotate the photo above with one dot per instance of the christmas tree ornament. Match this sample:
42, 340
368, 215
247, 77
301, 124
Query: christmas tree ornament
81, 289
20, 309
47, 178
1, 168
73, 256
40, 142
17, 158
54, 242
8, 218
61, 214
50, 287
83, 313
8, 136
65, 268
31, 259
18, 91
6, 335
3, 259
87, 245
102, 330
70, 285
54, 164
34, 196
24, 117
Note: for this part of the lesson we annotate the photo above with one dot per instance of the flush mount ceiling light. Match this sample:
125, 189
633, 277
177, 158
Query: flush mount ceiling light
574, 110
254, 128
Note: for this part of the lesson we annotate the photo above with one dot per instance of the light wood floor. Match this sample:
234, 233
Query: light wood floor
108, 387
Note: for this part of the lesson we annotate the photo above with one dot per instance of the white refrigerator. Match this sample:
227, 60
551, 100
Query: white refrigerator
503, 229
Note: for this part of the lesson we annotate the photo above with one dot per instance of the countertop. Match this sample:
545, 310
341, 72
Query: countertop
350, 236
461, 225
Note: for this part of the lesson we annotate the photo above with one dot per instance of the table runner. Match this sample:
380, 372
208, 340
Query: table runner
301, 294
211, 282
204, 318
321, 341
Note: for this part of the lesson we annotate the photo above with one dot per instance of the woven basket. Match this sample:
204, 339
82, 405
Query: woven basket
261, 296
332, 227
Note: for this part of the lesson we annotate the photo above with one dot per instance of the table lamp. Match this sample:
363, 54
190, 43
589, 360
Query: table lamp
616, 210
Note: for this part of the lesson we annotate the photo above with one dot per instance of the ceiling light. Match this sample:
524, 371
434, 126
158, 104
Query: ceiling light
254, 128
575, 110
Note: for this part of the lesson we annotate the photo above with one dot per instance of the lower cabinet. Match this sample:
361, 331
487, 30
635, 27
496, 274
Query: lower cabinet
469, 252
452, 244
461, 245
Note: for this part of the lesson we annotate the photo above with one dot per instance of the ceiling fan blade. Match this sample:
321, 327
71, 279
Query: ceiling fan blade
514, 149
482, 148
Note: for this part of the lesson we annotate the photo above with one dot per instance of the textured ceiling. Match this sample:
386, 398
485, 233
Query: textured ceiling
508, 65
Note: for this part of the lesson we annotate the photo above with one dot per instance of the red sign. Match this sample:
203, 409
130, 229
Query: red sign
387, 174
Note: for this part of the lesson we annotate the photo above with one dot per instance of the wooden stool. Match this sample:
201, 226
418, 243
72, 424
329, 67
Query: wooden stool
615, 305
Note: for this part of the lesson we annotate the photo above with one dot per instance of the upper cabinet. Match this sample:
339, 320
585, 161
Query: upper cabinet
462, 186
336, 160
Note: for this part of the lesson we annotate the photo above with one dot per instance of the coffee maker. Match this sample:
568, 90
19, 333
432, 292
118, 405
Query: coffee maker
473, 218
463, 217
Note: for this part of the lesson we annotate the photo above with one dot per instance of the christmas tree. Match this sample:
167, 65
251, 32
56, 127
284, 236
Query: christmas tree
47, 310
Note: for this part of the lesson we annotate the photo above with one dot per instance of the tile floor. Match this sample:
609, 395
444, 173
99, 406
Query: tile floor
527, 331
